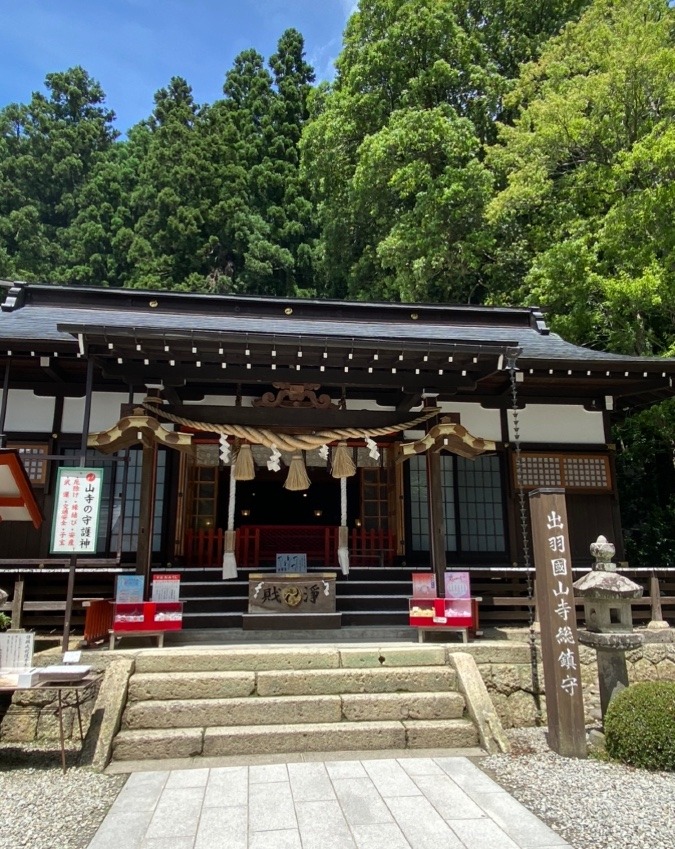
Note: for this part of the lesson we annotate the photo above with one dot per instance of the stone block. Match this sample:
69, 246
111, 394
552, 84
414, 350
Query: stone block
440, 734
331, 737
666, 670
401, 679
479, 705
237, 659
157, 744
19, 726
507, 678
48, 724
655, 652
106, 715
496, 651
359, 707
384, 656
519, 710
174, 713
643, 670
190, 685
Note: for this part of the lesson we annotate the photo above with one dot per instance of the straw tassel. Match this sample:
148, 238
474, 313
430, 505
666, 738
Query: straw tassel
297, 474
244, 467
343, 464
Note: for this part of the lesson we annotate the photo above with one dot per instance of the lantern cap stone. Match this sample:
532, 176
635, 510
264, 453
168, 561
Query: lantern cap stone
603, 552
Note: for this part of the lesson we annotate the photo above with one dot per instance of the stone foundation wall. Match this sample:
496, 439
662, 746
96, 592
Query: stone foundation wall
516, 684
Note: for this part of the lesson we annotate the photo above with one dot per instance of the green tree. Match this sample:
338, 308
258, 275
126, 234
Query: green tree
272, 243
48, 150
588, 198
416, 78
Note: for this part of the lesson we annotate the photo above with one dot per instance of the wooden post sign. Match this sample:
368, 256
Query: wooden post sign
557, 614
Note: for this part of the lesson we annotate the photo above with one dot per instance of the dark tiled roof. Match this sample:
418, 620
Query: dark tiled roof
41, 310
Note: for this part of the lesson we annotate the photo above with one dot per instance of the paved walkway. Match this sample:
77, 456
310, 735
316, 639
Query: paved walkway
405, 803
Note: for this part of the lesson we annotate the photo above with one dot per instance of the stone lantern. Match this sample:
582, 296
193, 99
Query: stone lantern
607, 599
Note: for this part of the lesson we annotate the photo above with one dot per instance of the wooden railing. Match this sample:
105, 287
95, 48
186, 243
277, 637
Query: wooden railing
258, 545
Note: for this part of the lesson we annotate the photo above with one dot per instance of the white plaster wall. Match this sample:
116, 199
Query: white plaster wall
27, 412
559, 423
105, 411
480, 422
221, 401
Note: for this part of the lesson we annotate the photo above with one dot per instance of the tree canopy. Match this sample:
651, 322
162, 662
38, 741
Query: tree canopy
482, 151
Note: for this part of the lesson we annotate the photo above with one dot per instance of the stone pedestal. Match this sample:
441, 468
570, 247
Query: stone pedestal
611, 655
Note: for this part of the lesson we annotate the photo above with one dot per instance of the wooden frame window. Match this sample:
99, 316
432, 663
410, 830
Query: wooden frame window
203, 496
30, 453
375, 498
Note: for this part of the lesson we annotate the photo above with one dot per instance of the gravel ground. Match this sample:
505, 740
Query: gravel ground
592, 804
42, 808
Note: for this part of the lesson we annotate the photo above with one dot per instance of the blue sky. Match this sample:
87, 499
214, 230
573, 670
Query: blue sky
134, 47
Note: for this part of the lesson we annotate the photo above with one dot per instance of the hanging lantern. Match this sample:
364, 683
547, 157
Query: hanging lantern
244, 467
343, 464
297, 474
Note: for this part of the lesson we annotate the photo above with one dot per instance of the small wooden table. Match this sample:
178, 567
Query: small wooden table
76, 687
117, 635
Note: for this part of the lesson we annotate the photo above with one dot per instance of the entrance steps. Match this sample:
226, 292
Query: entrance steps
269, 700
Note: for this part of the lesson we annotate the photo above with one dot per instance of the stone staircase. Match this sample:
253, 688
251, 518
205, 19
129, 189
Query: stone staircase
270, 700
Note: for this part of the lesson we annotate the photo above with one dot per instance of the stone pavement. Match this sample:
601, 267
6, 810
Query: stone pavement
392, 803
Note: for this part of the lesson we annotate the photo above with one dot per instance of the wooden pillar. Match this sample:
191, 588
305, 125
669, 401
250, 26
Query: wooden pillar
3, 405
17, 604
83, 461
146, 513
435, 503
436, 519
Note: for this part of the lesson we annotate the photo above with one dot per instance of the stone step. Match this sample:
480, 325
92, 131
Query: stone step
190, 685
313, 682
413, 679
284, 739
278, 710
264, 658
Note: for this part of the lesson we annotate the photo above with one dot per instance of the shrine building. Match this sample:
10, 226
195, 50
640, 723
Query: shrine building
373, 439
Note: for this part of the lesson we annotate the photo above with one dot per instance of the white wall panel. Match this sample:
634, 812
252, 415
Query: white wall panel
27, 412
105, 411
480, 422
552, 423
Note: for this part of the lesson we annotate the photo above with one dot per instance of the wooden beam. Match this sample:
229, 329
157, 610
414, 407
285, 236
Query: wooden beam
155, 373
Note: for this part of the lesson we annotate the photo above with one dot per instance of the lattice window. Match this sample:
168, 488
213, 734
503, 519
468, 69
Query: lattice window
586, 472
30, 453
570, 471
203, 500
374, 499
536, 470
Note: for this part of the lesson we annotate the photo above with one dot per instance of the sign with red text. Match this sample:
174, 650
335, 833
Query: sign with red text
165, 587
76, 511
558, 619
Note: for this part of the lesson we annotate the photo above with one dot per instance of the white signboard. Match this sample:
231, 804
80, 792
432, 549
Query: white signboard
166, 587
291, 563
16, 651
78, 500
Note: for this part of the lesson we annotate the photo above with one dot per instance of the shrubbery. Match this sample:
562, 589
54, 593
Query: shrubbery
640, 725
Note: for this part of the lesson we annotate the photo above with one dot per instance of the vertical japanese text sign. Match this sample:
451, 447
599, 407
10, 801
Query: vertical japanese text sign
557, 615
76, 511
